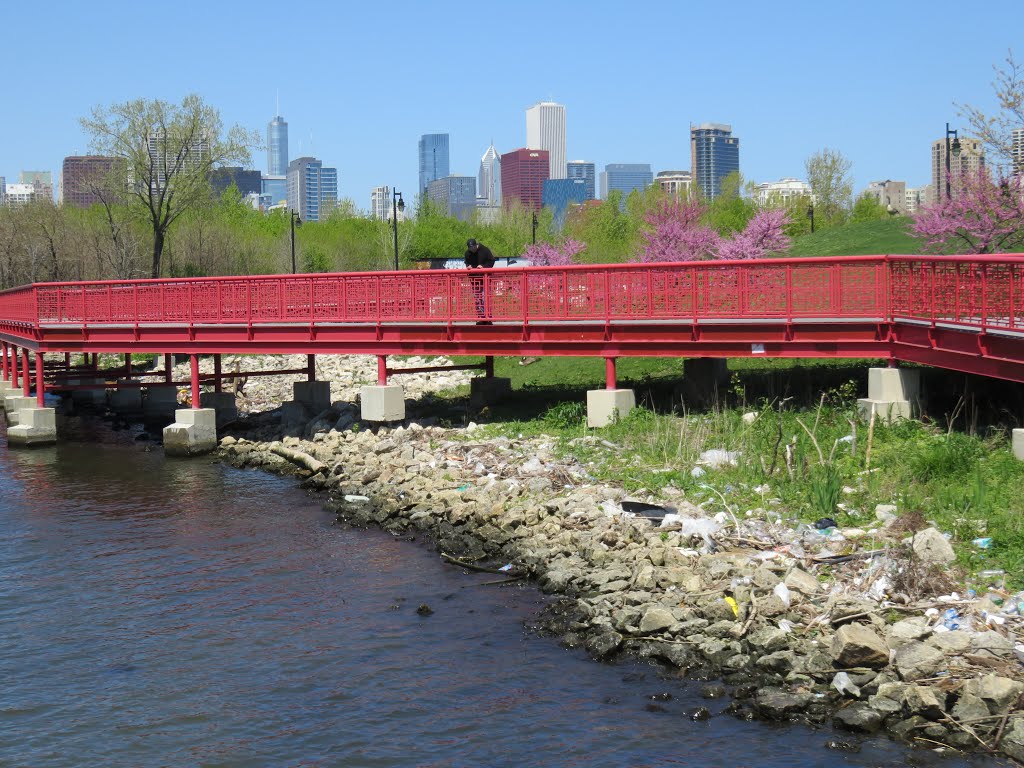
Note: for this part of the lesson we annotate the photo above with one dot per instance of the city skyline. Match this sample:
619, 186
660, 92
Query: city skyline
635, 112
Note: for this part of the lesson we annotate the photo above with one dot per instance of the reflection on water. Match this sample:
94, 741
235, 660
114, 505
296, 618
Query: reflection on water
160, 612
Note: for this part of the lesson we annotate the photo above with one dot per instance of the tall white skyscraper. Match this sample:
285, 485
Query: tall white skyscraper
489, 179
380, 203
1017, 150
545, 129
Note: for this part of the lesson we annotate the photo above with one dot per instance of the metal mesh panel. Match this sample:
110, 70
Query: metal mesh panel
812, 290
998, 286
544, 290
718, 292
672, 293
360, 299
862, 289
627, 293
765, 292
205, 303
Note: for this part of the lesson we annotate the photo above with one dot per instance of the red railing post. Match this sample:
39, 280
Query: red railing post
15, 381
194, 364
984, 297
26, 377
6, 365
40, 382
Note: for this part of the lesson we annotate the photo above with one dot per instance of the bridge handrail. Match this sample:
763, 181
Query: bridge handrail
977, 291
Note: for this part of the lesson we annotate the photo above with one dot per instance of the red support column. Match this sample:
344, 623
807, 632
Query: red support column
168, 367
128, 365
609, 373
194, 362
382, 370
40, 382
6, 362
489, 366
216, 373
311, 367
14, 367
26, 377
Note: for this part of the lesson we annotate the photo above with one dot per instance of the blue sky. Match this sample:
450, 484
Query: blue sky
360, 82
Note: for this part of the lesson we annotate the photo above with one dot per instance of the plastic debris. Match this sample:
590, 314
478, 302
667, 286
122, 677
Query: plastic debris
781, 591
842, 683
698, 472
732, 604
826, 522
785, 625
983, 543
717, 458
951, 619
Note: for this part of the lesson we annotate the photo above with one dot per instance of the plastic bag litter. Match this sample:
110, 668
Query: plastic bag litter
717, 458
532, 467
785, 625
781, 591
842, 683
702, 527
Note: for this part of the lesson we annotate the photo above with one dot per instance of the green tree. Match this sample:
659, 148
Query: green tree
168, 151
828, 173
867, 208
731, 211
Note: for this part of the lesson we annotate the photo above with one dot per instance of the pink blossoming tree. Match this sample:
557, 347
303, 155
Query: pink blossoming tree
982, 216
552, 255
676, 232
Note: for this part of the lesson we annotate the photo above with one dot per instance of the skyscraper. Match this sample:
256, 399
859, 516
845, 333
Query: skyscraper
489, 178
523, 172
312, 188
545, 129
581, 169
380, 203
81, 176
40, 181
1017, 150
277, 147
626, 178
456, 194
970, 160
714, 154
433, 159
675, 183
248, 182
559, 194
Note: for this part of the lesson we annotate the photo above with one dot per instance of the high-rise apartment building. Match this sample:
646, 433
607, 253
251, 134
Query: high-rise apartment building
916, 197
559, 194
456, 194
81, 178
16, 195
248, 182
273, 191
277, 147
312, 188
545, 129
581, 169
714, 154
489, 178
523, 172
380, 203
433, 151
674, 183
1017, 150
971, 159
164, 158
3, 192
782, 191
626, 178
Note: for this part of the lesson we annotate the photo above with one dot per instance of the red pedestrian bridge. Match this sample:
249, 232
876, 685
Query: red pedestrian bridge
964, 313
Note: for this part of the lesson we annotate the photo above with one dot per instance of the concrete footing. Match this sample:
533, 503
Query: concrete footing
315, 395
96, 395
223, 403
484, 390
36, 426
382, 403
13, 406
1018, 443
160, 403
193, 432
893, 393
605, 406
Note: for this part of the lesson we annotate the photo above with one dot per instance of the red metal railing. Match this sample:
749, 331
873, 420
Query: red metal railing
782, 289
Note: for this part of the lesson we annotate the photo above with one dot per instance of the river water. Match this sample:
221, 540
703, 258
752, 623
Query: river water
160, 612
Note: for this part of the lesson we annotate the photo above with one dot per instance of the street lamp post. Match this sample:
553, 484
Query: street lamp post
295, 220
810, 215
397, 204
534, 227
955, 149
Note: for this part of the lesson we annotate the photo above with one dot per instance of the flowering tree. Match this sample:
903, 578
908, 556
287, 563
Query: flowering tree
551, 255
675, 233
764, 236
983, 216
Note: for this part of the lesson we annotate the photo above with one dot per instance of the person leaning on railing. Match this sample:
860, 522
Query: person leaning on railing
478, 256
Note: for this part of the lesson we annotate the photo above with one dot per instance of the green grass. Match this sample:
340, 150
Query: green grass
865, 238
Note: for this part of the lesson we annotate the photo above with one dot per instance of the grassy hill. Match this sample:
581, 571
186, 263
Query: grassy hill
865, 238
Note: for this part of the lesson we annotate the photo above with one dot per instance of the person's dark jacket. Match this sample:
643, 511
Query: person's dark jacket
483, 257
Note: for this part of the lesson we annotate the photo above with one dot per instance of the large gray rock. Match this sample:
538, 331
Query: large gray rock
1012, 742
997, 692
858, 717
931, 546
970, 708
906, 631
656, 619
857, 646
921, 700
991, 644
916, 661
778, 704
801, 581
603, 643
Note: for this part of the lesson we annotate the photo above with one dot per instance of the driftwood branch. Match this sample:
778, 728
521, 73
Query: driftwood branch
474, 567
299, 458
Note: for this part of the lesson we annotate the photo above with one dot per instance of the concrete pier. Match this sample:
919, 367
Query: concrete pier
315, 395
14, 404
382, 403
95, 395
126, 400
193, 432
606, 406
160, 403
223, 403
35, 427
893, 393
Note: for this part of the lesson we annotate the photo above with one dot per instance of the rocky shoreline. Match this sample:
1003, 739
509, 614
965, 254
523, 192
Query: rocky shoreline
798, 626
